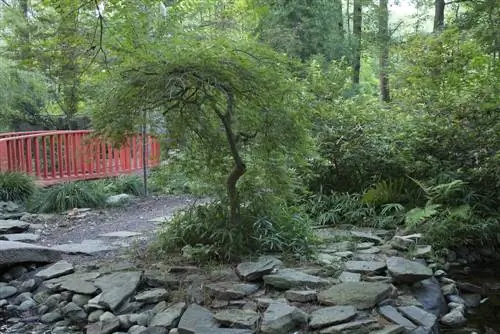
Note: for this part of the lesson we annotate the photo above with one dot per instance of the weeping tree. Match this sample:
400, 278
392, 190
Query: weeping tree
234, 101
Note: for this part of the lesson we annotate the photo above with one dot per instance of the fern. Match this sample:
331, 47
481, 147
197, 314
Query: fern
398, 190
418, 215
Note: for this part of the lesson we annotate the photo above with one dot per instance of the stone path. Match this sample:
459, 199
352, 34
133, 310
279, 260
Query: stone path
361, 282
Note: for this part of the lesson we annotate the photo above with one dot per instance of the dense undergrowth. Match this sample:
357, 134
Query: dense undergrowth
427, 162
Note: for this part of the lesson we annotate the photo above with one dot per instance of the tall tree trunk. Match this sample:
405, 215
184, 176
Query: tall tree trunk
340, 19
383, 30
356, 23
438, 15
348, 16
24, 33
69, 72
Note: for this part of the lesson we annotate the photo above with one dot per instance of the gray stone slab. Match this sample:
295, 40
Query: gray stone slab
252, 271
293, 279
392, 329
151, 296
419, 316
169, 317
282, 319
364, 266
22, 237
347, 276
406, 271
59, 268
301, 296
13, 226
12, 252
120, 234
78, 286
197, 318
117, 288
235, 318
230, 290
333, 315
88, 247
358, 326
362, 295
392, 314
366, 237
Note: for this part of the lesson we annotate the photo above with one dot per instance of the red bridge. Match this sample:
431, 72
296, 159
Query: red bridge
60, 156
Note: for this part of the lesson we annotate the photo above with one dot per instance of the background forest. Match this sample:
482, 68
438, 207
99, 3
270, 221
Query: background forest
288, 113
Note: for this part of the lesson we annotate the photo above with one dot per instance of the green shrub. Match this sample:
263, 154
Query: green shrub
127, 184
16, 186
172, 180
349, 209
68, 196
205, 231
453, 216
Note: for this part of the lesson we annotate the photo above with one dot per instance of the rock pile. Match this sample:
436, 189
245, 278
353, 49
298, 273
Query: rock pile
361, 285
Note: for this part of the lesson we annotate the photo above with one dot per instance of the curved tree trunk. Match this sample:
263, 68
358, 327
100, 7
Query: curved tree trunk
239, 167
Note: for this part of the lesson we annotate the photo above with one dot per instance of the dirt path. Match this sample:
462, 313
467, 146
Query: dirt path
137, 216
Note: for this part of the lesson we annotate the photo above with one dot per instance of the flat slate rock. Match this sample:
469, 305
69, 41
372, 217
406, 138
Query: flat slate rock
367, 237
333, 315
392, 314
363, 267
117, 287
59, 268
236, 318
252, 271
362, 295
371, 250
104, 327
347, 276
7, 291
88, 247
392, 329
22, 237
286, 279
406, 271
196, 319
419, 316
12, 252
151, 296
230, 290
13, 226
78, 286
169, 317
428, 293
120, 234
301, 296
358, 326
282, 319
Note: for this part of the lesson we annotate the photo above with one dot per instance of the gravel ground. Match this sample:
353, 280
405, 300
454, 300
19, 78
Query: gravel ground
135, 216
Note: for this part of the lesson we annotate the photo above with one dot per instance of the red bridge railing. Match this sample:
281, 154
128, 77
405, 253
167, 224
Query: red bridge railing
59, 156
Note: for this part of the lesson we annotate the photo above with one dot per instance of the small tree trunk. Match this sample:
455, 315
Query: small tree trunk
384, 50
438, 15
356, 24
239, 167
